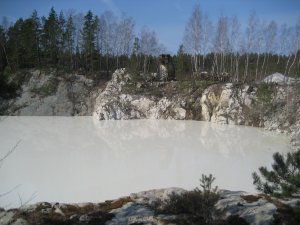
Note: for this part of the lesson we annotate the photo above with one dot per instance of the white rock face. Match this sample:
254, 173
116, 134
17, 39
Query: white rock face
112, 104
49, 94
221, 103
66, 95
226, 104
279, 78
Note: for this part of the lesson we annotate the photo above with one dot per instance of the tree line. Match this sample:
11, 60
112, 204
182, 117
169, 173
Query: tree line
225, 48
102, 43
74, 42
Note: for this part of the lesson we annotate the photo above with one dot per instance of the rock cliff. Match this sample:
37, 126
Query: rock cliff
116, 103
272, 106
49, 94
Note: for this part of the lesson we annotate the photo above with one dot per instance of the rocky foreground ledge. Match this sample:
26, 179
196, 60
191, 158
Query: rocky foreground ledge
140, 208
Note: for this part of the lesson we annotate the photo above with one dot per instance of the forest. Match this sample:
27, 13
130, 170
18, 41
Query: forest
99, 44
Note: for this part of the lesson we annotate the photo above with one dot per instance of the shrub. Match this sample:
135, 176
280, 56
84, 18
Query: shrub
288, 215
7, 72
47, 89
284, 179
265, 94
7, 89
198, 204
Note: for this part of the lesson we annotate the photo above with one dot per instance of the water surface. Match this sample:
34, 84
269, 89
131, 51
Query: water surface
78, 159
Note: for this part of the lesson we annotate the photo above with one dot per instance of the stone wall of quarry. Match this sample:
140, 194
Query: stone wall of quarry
273, 106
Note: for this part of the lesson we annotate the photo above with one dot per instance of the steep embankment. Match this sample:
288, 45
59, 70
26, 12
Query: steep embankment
272, 106
50, 94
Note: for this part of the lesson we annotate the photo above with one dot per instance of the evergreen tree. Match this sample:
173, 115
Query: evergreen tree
50, 40
3, 55
284, 179
69, 41
61, 38
135, 59
14, 44
22, 44
37, 33
97, 25
28, 54
136, 46
88, 39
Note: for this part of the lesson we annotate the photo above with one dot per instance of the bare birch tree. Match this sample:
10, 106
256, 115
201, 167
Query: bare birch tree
282, 42
193, 35
295, 44
206, 34
270, 38
221, 46
258, 47
148, 46
125, 36
233, 48
250, 39
108, 37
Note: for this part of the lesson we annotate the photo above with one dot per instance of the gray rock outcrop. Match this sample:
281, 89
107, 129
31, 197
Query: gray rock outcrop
47, 94
272, 106
139, 208
114, 104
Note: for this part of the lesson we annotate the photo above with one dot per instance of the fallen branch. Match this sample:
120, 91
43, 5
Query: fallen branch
9, 153
11, 190
33, 195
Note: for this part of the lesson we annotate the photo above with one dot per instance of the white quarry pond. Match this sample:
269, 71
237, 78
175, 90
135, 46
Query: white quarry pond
77, 159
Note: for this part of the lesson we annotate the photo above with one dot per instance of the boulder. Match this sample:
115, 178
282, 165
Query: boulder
279, 78
258, 210
6, 217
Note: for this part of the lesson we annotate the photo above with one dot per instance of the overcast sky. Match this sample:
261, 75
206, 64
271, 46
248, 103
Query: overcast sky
166, 17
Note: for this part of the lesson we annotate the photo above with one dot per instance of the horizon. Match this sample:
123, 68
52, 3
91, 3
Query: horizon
175, 14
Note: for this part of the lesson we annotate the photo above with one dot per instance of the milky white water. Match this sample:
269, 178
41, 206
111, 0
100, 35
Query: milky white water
77, 159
